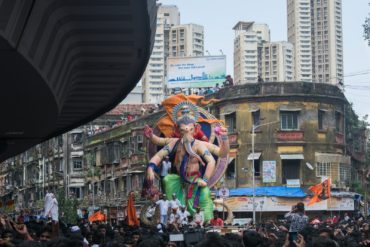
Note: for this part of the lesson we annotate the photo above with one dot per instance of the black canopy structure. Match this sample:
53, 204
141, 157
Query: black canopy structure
65, 62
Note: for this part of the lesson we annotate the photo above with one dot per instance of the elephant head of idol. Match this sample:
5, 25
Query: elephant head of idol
186, 125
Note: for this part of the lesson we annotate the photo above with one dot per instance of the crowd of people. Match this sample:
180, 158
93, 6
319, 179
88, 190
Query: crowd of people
295, 230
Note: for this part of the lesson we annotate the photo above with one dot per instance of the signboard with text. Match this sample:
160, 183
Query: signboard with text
281, 204
290, 135
196, 72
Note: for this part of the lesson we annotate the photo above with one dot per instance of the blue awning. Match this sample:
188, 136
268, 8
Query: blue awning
280, 191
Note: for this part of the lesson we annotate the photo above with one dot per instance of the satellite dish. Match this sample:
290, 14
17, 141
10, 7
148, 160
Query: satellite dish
309, 166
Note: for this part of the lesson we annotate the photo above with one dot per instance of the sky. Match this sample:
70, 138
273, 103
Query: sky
219, 17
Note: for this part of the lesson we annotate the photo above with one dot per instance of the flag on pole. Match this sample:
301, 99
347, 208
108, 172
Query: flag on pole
320, 191
97, 216
131, 211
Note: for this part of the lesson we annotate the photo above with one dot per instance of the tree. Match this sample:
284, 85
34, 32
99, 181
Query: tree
367, 29
67, 207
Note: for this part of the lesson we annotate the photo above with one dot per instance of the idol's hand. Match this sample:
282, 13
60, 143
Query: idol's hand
201, 183
150, 174
220, 131
148, 132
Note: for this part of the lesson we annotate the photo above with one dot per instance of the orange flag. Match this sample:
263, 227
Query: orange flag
97, 216
320, 191
131, 211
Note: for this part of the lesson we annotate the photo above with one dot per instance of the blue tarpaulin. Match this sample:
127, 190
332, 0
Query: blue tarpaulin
281, 191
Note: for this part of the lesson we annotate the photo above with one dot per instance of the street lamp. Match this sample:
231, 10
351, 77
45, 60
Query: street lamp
254, 127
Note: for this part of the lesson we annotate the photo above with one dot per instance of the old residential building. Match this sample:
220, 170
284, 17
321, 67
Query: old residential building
301, 123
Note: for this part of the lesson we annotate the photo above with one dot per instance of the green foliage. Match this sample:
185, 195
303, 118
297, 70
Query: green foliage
68, 206
96, 173
356, 186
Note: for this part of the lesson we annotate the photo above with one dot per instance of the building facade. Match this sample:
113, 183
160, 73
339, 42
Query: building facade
153, 80
315, 30
277, 61
248, 43
187, 40
327, 41
300, 123
299, 34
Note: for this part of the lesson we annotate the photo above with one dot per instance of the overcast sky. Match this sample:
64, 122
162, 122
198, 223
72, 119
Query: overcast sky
219, 16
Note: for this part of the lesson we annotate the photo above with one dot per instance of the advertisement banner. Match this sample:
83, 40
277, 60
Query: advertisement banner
196, 72
269, 171
281, 204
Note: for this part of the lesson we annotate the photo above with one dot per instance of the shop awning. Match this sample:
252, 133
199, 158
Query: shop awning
281, 191
291, 156
254, 156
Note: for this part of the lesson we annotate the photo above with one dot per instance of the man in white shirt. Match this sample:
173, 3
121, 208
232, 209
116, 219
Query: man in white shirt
174, 217
166, 166
175, 203
183, 216
163, 207
198, 219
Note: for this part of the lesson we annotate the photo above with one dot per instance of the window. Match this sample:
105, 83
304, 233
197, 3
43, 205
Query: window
76, 192
320, 119
230, 120
338, 122
256, 117
323, 169
230, 171
257, 168
289, 120
77, 163
344, 173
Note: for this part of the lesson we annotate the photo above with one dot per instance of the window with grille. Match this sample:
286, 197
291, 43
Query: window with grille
344, 173
289, 120
77, 163
322, 169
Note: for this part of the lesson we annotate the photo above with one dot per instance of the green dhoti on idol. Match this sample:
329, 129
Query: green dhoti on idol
197, 146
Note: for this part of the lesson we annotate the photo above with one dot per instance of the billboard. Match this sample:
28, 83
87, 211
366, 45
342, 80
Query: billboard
196, 72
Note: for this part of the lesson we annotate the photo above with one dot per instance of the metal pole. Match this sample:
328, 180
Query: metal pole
253, 180
43, 176
223, 208
93, 188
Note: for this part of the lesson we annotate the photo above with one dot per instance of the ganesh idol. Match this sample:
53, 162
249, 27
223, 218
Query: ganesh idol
199, 161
